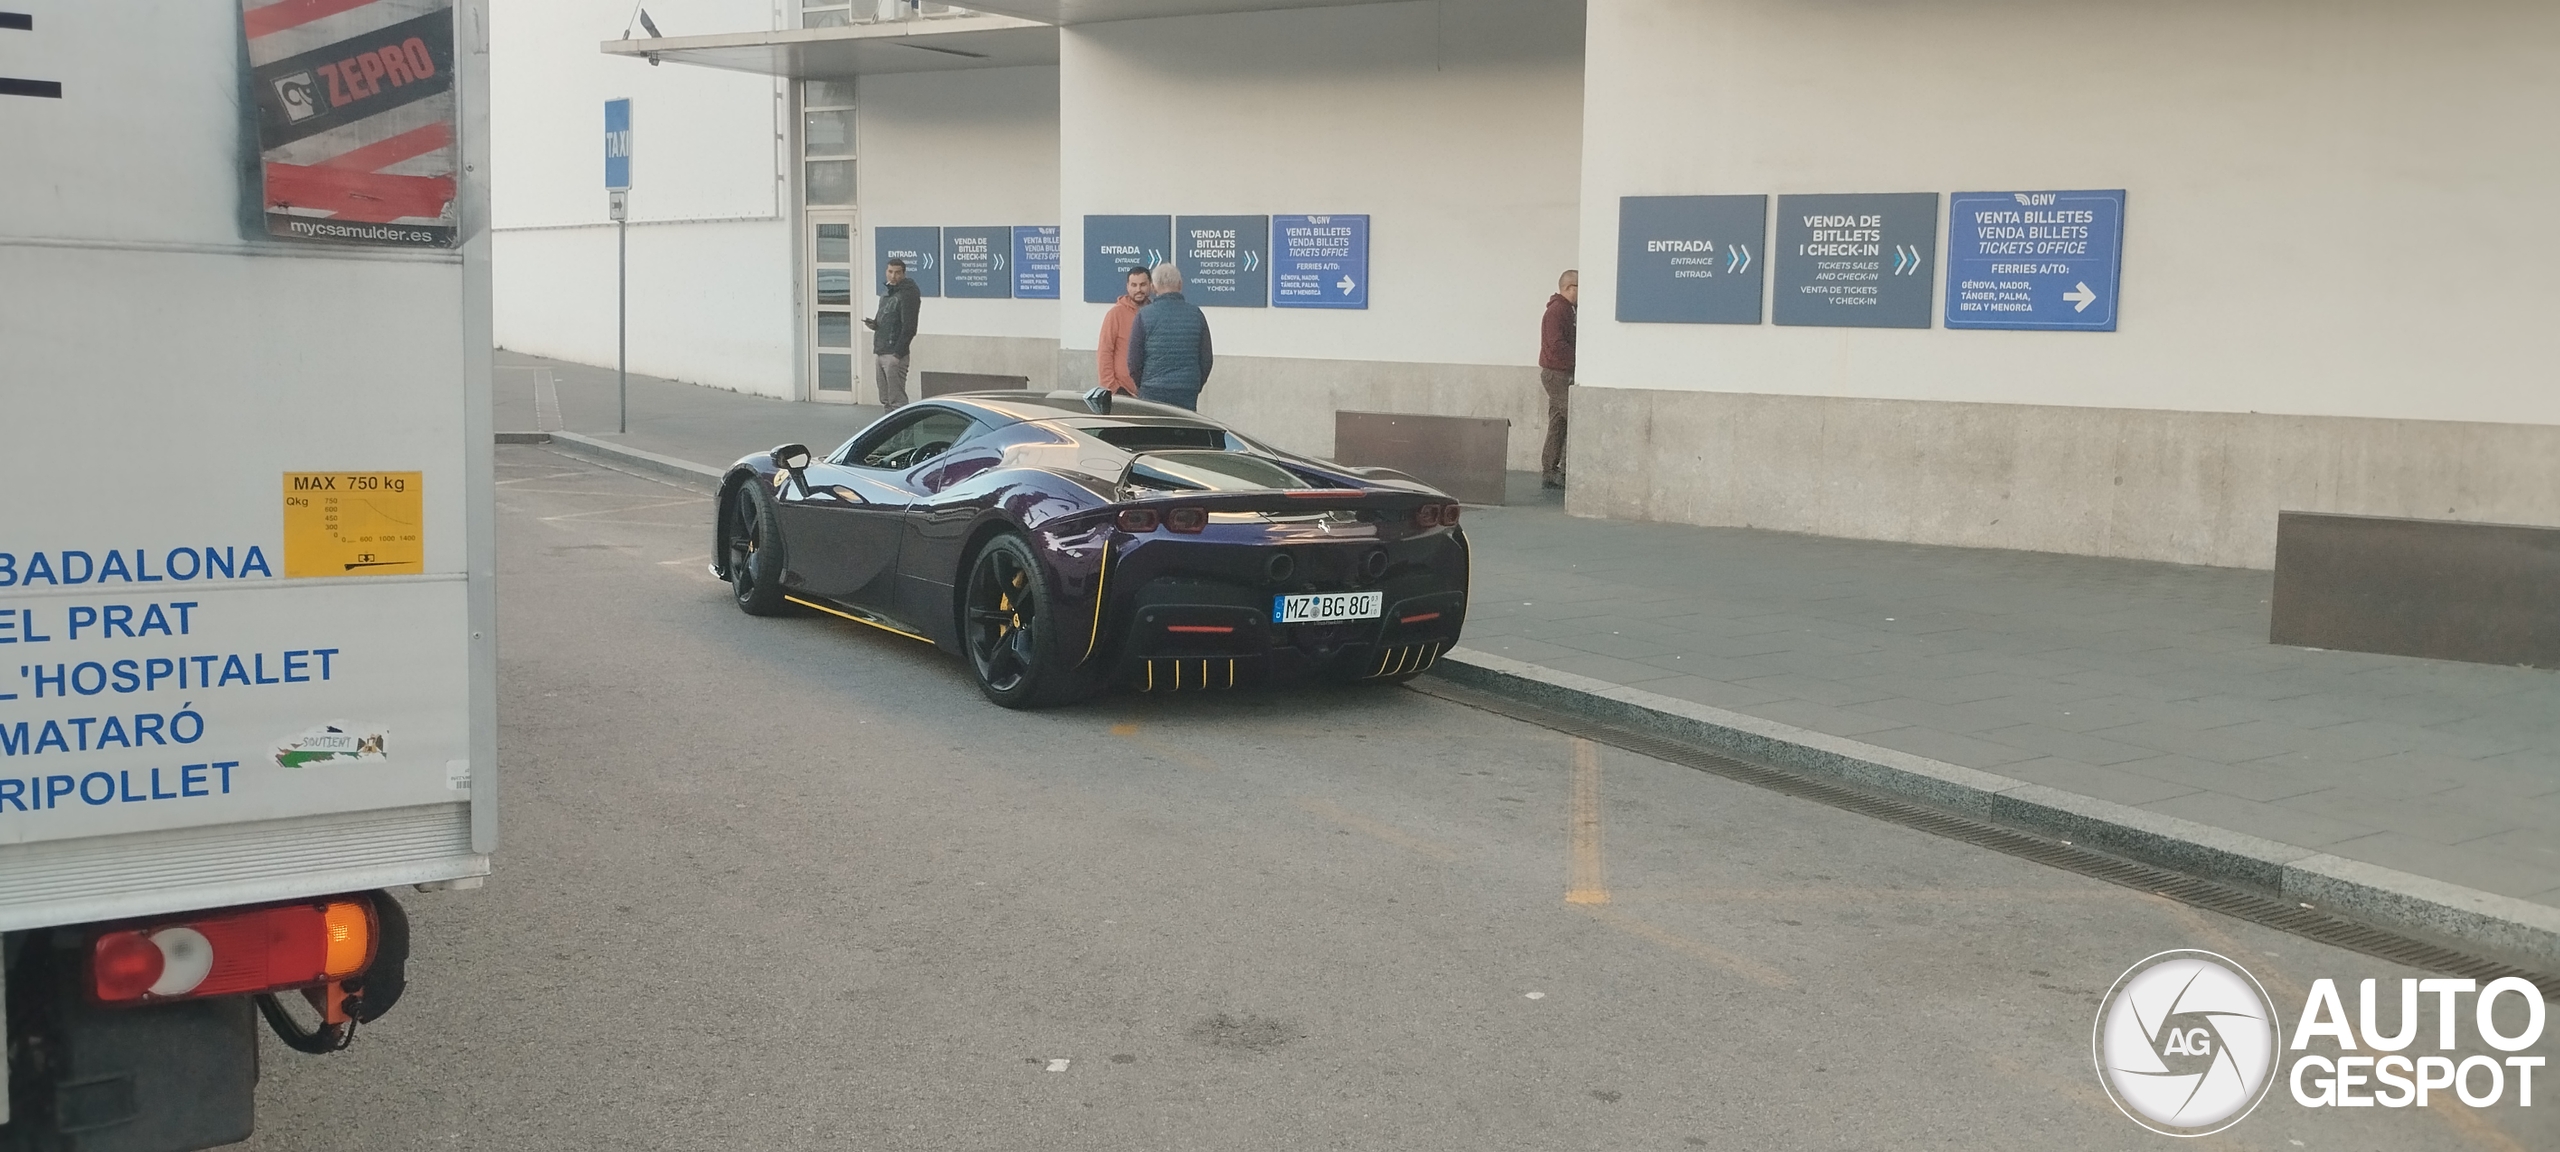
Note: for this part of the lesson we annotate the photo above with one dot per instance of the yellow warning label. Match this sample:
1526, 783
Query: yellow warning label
354, 523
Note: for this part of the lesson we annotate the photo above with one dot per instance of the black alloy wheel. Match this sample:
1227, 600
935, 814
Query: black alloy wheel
755, 551
1009, 631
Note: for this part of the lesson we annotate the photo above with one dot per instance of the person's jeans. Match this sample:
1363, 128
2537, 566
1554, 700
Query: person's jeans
1551, 456
893, 381
1178, 397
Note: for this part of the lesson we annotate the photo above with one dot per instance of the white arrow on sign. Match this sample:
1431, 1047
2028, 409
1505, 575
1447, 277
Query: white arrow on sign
1346, 285
2081, 297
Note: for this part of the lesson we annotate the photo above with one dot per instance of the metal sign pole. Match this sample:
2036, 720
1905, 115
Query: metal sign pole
617, 186
622, 319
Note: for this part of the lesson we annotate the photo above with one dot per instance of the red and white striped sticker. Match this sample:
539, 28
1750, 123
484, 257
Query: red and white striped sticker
355, 104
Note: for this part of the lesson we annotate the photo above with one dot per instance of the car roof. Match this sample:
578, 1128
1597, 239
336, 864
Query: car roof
1023, 406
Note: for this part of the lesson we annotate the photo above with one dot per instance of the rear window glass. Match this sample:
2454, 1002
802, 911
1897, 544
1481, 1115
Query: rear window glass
1210, 472
1156, 438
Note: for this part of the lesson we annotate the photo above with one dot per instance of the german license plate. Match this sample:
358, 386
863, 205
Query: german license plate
1327, 607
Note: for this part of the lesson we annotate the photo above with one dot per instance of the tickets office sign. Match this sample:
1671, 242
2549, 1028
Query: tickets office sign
355, 110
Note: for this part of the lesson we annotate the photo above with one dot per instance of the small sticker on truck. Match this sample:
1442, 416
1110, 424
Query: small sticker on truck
337, 742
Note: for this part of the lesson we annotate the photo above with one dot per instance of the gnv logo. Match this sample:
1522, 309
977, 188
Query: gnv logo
2186, 1043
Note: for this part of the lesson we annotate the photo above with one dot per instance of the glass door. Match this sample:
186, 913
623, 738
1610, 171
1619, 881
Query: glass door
839, 348
836, 351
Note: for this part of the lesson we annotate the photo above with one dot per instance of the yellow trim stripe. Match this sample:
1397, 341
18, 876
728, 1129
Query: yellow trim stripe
856, 619
1101, 580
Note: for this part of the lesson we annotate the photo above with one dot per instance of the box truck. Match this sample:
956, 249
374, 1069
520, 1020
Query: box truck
247, 645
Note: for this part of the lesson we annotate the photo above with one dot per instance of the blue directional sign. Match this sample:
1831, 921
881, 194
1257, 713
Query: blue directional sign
1691, 259
1035, 261
975, 263
2035, 259
1223, 259
1320, 261
921, 248
617, 145
1115, 244
1855, 260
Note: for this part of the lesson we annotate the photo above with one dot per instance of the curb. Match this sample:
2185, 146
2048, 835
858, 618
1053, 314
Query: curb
2502, 927
633, 458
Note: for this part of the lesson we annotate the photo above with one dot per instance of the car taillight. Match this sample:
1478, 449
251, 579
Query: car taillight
1427, 516
234, 953
1138, 520
1185, 519
1449, 513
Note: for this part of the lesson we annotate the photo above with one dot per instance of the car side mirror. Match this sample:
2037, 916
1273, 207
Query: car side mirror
790, 457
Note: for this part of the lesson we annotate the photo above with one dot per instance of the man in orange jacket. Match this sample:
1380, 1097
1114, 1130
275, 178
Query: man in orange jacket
1111, 359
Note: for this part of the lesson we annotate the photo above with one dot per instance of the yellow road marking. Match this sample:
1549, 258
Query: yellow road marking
1586, 882
1124, 729
1383, 831
1748, 969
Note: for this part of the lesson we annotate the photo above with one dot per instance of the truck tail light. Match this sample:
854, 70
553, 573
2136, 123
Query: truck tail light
234, 953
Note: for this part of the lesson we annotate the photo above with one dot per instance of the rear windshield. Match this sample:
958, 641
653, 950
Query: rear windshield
1210, 472
1158, 437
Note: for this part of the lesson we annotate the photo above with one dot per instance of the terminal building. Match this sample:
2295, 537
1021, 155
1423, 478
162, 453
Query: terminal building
2058, 275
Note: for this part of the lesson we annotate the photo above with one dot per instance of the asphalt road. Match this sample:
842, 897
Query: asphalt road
789, 883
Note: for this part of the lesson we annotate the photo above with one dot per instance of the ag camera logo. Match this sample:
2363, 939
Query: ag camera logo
2186, 1043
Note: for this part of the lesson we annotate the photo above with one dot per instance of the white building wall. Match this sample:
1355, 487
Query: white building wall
965, 148
1455, 126
2332, 216
711, 249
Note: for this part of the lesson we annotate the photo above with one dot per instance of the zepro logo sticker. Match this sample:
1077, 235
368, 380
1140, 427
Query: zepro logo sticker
2186, 1043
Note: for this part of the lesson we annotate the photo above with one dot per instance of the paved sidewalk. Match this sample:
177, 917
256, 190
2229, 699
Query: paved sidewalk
2150, 685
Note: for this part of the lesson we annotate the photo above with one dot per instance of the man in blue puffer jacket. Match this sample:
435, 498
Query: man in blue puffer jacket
1169, 353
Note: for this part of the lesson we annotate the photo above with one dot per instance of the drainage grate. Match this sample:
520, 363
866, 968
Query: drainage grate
2284, 916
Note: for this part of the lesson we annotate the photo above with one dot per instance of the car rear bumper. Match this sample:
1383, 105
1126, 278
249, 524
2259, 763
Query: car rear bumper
1186, 635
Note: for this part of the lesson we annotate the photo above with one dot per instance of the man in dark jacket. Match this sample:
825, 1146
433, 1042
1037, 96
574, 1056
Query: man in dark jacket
1169, 352
1555, 372
893, 332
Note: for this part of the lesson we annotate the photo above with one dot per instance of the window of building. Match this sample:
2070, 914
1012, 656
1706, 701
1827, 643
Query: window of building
827, 142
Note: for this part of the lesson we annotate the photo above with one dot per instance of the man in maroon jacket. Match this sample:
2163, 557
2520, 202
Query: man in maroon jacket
1555, 371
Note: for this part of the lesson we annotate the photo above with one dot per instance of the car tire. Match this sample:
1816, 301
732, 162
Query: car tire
1009, 629
755, 555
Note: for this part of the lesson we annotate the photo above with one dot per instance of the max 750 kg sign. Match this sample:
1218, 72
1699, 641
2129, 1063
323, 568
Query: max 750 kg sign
354, 523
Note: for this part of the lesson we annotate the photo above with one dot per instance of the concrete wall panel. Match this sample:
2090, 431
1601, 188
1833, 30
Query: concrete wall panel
2188, 487
710, 303
2328, 210
1455, 126
960, 149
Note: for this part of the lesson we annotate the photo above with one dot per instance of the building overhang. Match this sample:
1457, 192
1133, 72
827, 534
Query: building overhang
1105, 11
938, 45
995, 34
